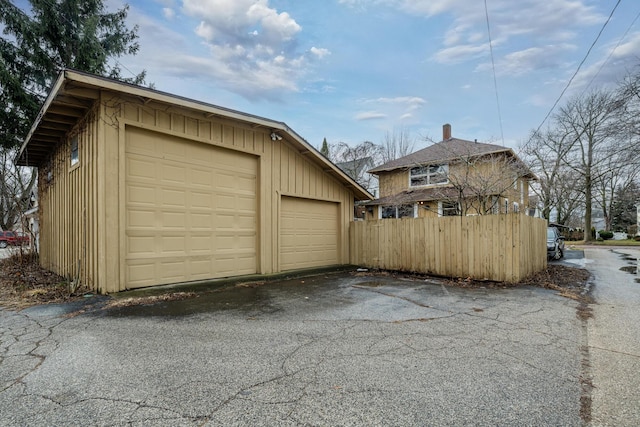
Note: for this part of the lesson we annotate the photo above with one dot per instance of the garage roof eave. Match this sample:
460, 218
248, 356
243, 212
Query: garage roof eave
74, 93
24, 158
149, 94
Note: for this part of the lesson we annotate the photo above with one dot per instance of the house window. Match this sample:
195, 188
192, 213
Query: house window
74, 150
397, 211
516, 207
429, 175
495, 205
506, 205
448, 209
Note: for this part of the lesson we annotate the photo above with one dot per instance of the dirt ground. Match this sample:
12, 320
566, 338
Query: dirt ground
24, 283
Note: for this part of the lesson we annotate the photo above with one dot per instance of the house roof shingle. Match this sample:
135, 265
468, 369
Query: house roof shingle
420, 195
442, 152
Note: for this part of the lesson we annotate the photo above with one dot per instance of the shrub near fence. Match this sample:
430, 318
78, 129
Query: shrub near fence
505, 248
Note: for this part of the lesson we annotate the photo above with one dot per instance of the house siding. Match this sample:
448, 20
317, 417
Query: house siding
395, 182
68, 207
82, 209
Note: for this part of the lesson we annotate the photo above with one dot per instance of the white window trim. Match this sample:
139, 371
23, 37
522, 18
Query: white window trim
441, 208
446, 171
495, 205
381, 208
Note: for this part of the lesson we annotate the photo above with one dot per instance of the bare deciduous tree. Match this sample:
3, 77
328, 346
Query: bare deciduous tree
591, 126
16, 186
396, 144
482, 183
619, 170
557, 186
356, 161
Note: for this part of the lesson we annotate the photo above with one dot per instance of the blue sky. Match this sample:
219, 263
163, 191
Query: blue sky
354, 70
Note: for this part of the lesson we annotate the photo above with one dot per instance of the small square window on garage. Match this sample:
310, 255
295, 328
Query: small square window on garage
74, 150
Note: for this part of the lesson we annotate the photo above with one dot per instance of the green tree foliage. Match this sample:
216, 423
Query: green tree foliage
53, 35
623, 209
325, 148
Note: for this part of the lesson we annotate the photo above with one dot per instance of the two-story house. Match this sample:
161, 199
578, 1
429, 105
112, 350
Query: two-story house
452, 177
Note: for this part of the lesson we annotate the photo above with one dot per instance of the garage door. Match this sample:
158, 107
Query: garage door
190, 210
309, 233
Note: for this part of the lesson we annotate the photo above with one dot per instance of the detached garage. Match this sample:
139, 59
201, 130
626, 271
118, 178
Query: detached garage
141, 188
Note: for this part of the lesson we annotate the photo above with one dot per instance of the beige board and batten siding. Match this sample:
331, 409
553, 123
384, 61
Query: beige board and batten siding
88, 211
68, 203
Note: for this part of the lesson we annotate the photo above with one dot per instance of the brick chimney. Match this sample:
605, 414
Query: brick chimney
446, 132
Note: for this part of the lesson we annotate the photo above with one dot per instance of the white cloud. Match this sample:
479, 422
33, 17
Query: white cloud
524, 24
616, 61
168, 13
253, 70
247, 46
409, 102
528, 23
550, 57
232, 22
395, 110
461, 53
320, 52
370, 115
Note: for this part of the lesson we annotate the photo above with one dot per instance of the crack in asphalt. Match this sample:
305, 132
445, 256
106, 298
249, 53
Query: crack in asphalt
466, 313
18, 337
614, 351
381, 343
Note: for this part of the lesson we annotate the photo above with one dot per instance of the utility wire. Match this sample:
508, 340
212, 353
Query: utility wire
493, 66
576, 72
125, 67
613, 50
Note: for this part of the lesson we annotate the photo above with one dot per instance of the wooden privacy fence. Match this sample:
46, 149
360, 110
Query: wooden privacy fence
505, 248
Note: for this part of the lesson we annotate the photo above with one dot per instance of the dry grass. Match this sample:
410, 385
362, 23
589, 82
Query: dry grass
24, 283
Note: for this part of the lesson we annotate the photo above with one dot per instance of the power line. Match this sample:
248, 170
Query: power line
125, 67
577, 70
613, 50
493, 66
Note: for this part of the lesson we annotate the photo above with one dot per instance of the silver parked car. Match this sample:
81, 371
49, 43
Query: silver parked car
555, 243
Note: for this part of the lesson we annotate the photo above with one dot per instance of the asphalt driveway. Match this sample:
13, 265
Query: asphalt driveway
330, 350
